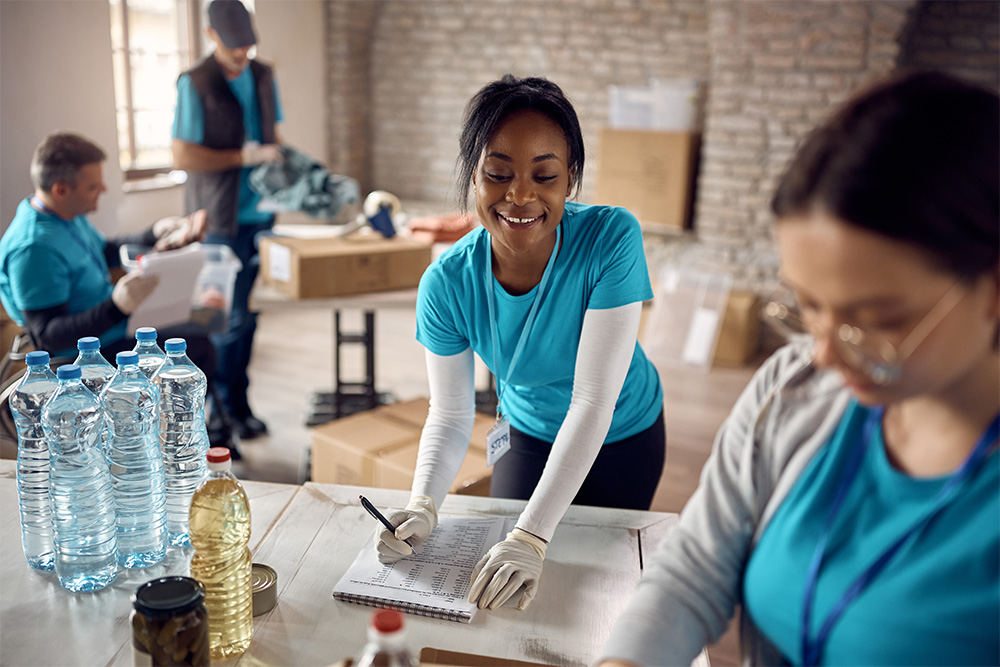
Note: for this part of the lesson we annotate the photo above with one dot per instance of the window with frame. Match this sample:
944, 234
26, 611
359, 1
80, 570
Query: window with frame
152, 42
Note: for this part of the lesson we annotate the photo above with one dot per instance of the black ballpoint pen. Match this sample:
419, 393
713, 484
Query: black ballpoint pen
378, 515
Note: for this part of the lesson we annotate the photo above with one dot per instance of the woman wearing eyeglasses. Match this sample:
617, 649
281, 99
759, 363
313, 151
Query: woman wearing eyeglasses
851, 504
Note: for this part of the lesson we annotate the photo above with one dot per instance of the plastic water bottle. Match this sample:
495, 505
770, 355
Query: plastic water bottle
386, 642
150, 355
132, 411
38, 383
83, 510
95, 368
220, 530
183, 436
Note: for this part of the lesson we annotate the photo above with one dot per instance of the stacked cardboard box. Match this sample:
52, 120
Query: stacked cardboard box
379, 448
324, 267
739, 336
651, 173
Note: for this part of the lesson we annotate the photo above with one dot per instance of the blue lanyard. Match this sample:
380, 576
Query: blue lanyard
811, 650
101, 266
531, 313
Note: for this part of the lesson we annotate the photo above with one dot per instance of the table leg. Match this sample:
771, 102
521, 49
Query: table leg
349, 397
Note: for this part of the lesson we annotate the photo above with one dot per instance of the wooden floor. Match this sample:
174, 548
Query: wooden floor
293, 357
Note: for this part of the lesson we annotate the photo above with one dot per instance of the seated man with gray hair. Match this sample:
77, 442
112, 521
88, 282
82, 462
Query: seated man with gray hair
54, 264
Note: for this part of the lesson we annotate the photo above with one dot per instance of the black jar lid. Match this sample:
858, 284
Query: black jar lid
168, 596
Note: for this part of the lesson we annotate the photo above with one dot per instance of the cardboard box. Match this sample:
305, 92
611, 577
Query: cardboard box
739, 335
315, 268
651, 173
345, 451
434, 657
379, 448
395, 471
410, 413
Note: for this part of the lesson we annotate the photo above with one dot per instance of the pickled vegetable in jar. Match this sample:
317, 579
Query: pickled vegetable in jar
170, 623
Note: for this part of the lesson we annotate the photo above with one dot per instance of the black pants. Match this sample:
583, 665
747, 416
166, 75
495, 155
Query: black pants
625, 473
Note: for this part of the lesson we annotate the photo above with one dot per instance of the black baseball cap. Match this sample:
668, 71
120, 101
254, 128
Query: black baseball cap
231, 20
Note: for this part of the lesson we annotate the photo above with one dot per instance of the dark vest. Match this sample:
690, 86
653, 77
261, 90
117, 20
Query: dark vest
219, 191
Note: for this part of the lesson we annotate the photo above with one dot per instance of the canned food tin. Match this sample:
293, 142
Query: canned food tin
170, 623
265, 588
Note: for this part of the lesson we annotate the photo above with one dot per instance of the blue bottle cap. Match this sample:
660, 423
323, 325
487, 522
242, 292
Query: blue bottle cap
145, 333
68, 372
88, 343
126, 358
175, 345
37, 358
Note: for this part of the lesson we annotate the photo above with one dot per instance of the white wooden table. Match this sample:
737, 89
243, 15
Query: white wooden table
310, 535
41, 623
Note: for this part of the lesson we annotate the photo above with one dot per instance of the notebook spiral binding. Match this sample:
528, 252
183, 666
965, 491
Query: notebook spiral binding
406, 607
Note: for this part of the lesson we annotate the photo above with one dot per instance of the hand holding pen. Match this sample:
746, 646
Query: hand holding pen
402, 528
381, 518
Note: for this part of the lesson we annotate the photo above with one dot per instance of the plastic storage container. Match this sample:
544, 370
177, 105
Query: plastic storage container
132, 413
212, 299
83, 509
37, 385
151, 356
220, 531
183, 436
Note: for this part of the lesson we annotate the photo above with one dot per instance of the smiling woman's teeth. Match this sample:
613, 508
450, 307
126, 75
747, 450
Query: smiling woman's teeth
520, 221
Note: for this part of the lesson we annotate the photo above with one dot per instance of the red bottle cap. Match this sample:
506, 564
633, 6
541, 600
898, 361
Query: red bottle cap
387, 620
218, 455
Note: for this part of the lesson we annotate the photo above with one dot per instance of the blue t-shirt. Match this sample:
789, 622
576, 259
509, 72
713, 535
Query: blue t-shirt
46, 261
189, 126
936, 602
601, 265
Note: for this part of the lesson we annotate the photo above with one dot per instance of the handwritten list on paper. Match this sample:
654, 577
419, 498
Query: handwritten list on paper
438, 575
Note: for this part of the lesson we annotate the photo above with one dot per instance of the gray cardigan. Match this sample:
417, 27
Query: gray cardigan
689, 591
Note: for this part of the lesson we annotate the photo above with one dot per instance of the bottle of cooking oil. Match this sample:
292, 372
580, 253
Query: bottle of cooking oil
220, 529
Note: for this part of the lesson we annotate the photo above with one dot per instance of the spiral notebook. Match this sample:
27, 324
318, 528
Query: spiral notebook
435, 580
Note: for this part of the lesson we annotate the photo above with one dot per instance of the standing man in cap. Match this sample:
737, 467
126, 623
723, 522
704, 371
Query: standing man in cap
226, 120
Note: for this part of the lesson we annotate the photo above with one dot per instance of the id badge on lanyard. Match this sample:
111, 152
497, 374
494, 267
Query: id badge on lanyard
497, 441
498, 437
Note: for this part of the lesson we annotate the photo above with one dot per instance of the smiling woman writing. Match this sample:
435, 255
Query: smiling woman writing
548, 293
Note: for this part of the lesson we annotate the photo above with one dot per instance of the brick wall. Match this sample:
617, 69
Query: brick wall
959, 37
349, 28
777, 69
402, 71
430, 57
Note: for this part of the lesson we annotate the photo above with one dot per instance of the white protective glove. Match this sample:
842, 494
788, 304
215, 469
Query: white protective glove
254, 153
177, 231
417, 520
508, 565
132, 289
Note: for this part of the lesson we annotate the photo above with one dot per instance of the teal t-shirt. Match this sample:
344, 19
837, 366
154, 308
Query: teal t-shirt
601, 265
189, 125
936, 602
46, 261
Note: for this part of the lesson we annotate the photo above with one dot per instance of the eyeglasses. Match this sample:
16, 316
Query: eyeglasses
870, 353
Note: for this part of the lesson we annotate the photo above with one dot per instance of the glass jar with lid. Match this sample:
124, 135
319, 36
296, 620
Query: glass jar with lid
170, 623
